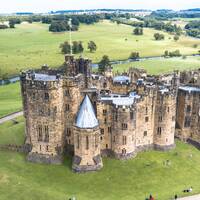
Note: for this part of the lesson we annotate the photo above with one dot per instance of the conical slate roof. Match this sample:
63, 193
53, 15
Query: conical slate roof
86, 116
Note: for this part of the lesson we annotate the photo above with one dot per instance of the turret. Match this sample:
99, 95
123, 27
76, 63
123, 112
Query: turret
87, 139
42, 97
124, 125
165, 112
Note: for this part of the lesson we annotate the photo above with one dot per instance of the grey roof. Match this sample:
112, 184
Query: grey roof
86, 116
44, 77
121, 79
189, 89
120, 100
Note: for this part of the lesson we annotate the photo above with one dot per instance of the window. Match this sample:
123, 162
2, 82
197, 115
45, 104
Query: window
124, 140
47, 148
78, 141
159, 130
124, 126
33, 96
39, 133
123, 151
46, 96
146, 110
106, 146
104, 112
102, 131
188, 109
46, 131
131, 115
101, 138
105, 121
187, 122
87, 143
68, 132
145, 133
67, 93
114, 139
40, 147
160, 118
167, 109
66, 107
109, 130
146, 119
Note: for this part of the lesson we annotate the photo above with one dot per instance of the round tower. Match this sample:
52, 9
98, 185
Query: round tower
42, 94
164, 129
86, 139
123, 135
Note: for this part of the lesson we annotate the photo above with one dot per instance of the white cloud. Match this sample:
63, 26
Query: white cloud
48, 5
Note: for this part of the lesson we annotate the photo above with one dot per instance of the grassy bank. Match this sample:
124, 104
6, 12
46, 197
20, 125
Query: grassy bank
10, 99
134, 179
163, 65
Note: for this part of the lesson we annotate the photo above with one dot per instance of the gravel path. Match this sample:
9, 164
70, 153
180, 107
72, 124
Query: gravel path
195, 197
10, 117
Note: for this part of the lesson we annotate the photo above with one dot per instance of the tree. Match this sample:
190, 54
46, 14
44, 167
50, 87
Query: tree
92, 46
134, 55
166, 53
138, 31
65, 48
77, 47
176, 38
105, 62
159, 36
11, 24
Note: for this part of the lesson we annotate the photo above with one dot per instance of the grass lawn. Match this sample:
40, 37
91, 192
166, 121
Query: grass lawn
10, 99
11, 133
32, 45
134, 179
162, 65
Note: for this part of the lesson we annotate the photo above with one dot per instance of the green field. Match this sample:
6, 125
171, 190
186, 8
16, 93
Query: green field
31, 45
10, 99
134, 179
160, 66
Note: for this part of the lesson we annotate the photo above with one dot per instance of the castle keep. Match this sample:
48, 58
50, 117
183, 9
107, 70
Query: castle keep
72, 110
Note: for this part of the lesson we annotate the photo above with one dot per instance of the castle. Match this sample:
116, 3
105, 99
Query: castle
72, 110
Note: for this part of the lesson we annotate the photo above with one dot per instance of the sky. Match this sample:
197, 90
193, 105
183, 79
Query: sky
9, 6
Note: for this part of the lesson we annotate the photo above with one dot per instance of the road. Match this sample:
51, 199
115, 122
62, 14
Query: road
10, 117
195, 197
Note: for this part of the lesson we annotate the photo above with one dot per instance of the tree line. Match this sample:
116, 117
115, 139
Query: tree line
193, 28
77, 47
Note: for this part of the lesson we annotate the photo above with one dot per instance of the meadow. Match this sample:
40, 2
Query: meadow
32, 45
134, 179
10, 99
162, 65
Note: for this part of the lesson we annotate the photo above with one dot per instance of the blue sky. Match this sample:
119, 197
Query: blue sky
8, 6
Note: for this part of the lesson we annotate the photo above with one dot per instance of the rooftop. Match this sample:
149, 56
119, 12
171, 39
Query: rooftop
44, 77
121, 100
86, 117
189, 89
121, 79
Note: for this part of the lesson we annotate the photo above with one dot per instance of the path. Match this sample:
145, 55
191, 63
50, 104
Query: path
10, 116
195, 197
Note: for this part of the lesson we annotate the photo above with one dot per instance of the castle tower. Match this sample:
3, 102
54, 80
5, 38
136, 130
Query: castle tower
123, 134
188, 113
165, 113
42, 96
86, 139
